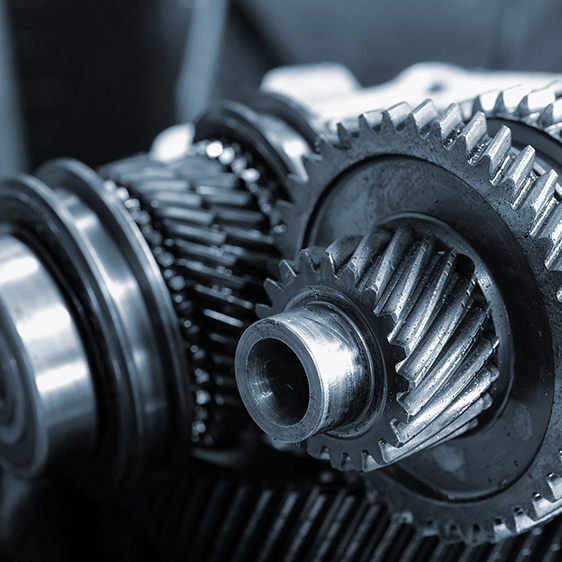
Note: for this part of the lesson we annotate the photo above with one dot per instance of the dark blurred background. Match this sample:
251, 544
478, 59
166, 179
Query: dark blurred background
99, 79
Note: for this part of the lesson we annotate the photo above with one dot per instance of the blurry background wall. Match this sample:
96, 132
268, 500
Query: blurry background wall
98, 79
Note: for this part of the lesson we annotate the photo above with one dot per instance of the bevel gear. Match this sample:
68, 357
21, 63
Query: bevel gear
491, 202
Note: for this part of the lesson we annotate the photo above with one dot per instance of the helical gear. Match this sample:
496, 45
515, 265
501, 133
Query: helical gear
415, 296
143, 279
423, 168
204, 217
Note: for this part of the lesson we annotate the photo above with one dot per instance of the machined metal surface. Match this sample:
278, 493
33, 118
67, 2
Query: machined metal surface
435, 171
412, 339
201, 215
48, 403
88, 241
415, 361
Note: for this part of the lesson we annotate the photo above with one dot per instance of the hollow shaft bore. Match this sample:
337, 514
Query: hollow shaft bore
304, 372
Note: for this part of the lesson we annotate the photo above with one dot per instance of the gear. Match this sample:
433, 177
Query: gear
200, 218
410, 294
490, 202
293, 511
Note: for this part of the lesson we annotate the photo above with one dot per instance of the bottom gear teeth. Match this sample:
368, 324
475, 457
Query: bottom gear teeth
346, 463
523, 522
555, 484
317, 451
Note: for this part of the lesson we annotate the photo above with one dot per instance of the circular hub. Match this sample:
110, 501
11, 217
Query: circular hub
47, 399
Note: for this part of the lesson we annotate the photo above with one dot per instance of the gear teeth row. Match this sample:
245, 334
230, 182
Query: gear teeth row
204, 218
448, 357
540, 109
436, 317
219, 516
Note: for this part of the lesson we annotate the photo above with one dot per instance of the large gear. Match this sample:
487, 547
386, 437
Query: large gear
503, 207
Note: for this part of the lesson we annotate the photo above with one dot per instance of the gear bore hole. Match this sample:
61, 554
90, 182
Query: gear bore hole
278, 381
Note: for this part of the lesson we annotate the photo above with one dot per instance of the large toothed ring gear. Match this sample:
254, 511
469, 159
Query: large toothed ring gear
428, 266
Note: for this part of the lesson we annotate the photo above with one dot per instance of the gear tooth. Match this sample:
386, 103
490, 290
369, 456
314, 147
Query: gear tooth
340, 251
456, 534
554, 258
549, 223
423, 116
325, 146
347, 462
263, 311
367, 250
394, 117
542, 190
317, 451
518, 179
485, 102
555, 484
471, 134
415, 366
288, 271
312, 162
388, 263
310, 259
395, 303
451, 359
448, 123
551, 114
543, 222
496, 152
508, 100
522, 520
408, 333
313, 448
344, 137
501, 530
368, 462
534, 101
556, 87
369, 121
272, 289
542, 506
474, 376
